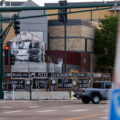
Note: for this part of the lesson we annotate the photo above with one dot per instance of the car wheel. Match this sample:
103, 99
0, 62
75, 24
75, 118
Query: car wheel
95, 99
86, 100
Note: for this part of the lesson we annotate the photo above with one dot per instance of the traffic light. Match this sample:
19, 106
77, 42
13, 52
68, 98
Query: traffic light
6, 58
12, 59
16, 25
62, 15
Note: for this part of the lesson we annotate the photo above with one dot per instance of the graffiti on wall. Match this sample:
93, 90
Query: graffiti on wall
28, 49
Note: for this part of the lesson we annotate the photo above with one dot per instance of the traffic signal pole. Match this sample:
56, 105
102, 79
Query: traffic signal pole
1, 66
65, 47
65, 40
1, 58
3, 35
62, 17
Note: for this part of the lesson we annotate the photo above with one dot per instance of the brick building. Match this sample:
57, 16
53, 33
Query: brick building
79, 33
79, 44
80, 39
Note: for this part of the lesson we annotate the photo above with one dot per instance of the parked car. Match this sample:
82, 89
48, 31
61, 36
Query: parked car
99, 92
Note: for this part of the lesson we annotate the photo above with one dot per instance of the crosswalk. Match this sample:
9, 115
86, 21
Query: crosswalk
9, 110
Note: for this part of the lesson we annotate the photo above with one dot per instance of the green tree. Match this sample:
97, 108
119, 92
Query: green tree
105, 41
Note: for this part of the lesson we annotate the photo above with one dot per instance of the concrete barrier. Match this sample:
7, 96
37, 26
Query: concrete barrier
39, 95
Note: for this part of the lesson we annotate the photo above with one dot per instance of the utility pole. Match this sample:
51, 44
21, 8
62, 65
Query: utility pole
63, 18
65, 45
1, 57
65, 48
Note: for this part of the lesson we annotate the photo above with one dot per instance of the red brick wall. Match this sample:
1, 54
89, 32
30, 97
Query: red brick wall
73, 58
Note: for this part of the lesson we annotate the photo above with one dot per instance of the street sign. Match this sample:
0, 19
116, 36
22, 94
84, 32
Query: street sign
64, 83
20, 75
7, 74
40, 83
20, 84
115, 105
41, 74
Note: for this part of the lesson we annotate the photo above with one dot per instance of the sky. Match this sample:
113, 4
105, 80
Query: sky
41, 2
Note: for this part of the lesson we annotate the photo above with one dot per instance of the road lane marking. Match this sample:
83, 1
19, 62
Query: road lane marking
46, 111
32, 107
80, 110
66, 106
7, 107
14, 111
84, 117
106, 111
106, 118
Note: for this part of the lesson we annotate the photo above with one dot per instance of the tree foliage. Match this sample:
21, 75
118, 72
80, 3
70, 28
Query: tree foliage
105, 41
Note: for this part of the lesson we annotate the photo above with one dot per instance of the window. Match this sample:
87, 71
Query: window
108, 85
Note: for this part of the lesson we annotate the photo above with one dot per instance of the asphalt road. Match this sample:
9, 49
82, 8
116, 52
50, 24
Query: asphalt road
52, 110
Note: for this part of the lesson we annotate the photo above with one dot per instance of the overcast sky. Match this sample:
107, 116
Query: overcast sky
41, 2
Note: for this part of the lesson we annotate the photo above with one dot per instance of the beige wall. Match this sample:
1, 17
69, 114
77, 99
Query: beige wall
73, 44
56, 31
11, 33
76, 44
90, 44
87, 31
83, 15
